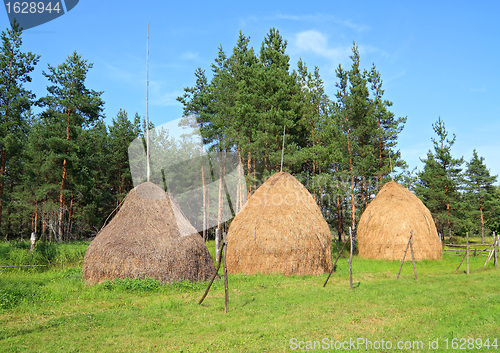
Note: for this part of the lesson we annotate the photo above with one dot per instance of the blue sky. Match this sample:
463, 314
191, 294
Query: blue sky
435, 58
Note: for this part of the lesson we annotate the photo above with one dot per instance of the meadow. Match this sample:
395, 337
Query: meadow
51, 309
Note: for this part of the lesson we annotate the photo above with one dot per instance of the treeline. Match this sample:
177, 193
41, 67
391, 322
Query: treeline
63, 171
342, 148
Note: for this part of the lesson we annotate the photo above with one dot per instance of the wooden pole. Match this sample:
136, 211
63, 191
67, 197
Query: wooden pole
213, 277
350, 258
404, 256
217, 244
333, 267
226, 289
463, 258
413, 256
467, 251
23, 266
283, 148
147, 108
496, 247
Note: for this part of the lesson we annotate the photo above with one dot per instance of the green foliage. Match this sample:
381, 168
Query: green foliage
265, 311
481, 195
441, 182
15, 104
45, 253
251, 98
132, 284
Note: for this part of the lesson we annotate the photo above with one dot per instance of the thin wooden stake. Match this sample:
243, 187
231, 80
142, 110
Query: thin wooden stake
467, 251
463, 258
23, 266
390, 162
404, 256
147, 108
333, 267
213, 277
496, 245
226, 288
350, 259
217, 243
283, 148
413, 256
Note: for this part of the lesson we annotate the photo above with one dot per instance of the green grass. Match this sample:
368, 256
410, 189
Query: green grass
53, 310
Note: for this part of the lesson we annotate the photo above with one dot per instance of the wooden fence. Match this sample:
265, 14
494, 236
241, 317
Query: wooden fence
488, 250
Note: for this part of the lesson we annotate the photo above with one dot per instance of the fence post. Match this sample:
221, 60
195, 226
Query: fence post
217, 242
413, 256
496, 246
467, 252
350, 259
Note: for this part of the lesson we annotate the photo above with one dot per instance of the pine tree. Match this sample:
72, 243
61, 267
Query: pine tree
122, 132
441, 180
70, 106
275, 108
15, 99
388, 129
358, 126
480, 189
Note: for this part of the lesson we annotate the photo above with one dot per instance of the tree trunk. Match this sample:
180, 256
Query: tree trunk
63, 184
2, 176
219, 212
204, 189
249, 169
70, 217
339, 223
3, 157
482, 224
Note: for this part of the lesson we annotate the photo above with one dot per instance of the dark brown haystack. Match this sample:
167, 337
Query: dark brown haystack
280, 230
143, 240
384, 228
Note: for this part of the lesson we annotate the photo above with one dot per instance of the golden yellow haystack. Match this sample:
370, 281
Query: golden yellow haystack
280, 230
384, 228
146, 239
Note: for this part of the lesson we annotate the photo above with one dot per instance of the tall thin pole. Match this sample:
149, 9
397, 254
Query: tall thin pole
390, 162
283, 148
350, 258
147, 107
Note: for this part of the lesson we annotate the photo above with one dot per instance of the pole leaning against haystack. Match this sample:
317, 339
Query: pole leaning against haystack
147, 107
409, 245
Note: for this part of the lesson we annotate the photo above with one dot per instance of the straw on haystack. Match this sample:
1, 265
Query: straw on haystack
384, 227
147, 238
280, 230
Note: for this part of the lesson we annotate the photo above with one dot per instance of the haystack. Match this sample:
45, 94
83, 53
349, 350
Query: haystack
280, 230
145, 239
384, 227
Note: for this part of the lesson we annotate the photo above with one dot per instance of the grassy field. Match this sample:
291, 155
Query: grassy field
52, 310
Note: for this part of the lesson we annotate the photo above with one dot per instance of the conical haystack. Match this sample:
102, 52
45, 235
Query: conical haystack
280, 230
144, 240
384, 228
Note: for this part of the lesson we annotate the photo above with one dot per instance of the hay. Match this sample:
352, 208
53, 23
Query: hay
280, 230
143, 240
384, 227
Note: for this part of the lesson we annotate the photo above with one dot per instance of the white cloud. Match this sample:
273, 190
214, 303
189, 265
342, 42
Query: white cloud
317, 43
315, 18
161, 97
